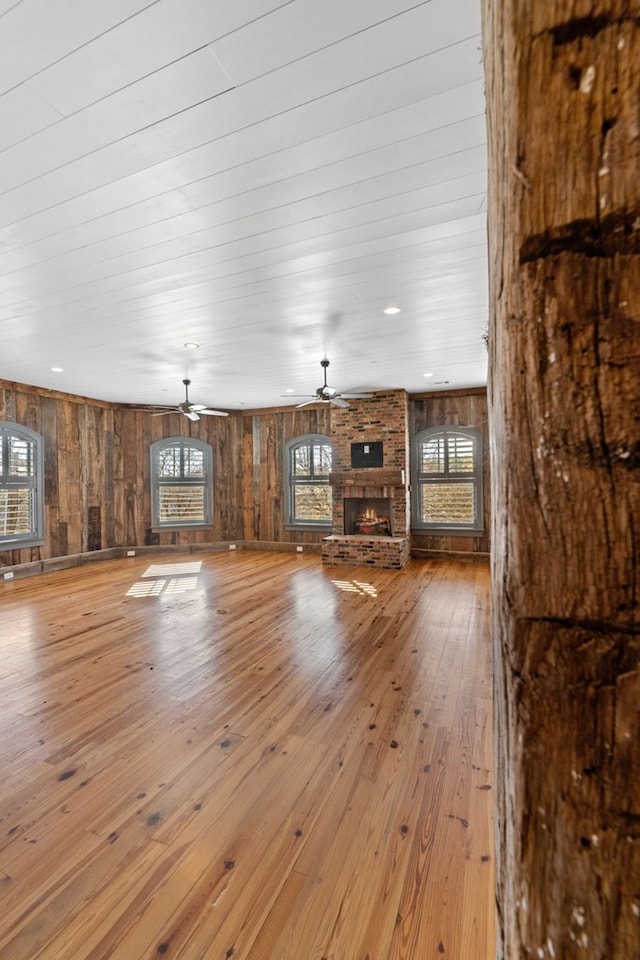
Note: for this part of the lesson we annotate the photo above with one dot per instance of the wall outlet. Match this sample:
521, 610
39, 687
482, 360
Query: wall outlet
298, 549
232, 546
131, 553
8, 575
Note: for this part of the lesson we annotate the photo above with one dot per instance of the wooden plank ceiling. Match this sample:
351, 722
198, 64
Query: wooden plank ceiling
260, 177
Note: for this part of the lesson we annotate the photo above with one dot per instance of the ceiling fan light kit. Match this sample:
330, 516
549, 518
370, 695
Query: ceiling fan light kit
192, 411
327, 394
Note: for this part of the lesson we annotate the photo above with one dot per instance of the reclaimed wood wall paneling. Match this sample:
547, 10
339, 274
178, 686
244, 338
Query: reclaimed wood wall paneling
457, 410
264, 437
97, 459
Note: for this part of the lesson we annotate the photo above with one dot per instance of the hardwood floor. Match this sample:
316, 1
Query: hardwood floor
246, 755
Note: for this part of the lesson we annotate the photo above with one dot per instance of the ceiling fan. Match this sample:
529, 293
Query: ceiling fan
193, 411
327, 394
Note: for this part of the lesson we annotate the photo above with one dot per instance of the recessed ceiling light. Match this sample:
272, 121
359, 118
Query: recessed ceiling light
428, 374
192, 346
391, 310
57, 369
289, 390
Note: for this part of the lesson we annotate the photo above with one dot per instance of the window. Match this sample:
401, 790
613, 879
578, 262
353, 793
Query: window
307, 490
447, 481
21, 486
181, 483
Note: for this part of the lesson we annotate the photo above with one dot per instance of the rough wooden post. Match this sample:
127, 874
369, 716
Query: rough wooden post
563, 89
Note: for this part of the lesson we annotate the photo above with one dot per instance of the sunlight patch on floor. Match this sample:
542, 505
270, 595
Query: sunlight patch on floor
170, 585
172, 569
356, 586
181, 585
150, 588
166, 578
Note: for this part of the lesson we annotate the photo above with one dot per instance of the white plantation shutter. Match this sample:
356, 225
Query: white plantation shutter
460, 454
312, 502
444, 503
185, 504
433, 455
16, 511
20, 456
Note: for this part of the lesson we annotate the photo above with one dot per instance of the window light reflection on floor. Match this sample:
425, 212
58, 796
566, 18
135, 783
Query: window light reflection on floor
169, 585
167, 578
172, 569
149, 588
356, 586
181, 585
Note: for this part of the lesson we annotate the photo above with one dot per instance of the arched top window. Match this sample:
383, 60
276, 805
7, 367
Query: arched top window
181, 483
21, 486
446, 485
307, 491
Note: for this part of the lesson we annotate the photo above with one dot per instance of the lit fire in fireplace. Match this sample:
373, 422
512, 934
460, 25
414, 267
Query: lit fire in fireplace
368, 516
369, 522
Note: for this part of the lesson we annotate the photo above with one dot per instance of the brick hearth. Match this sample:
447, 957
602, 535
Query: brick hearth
356, 550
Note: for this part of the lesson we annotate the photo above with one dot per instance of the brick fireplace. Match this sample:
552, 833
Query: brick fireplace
382, 490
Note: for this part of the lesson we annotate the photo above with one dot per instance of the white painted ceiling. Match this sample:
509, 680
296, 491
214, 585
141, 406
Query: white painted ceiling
259, 177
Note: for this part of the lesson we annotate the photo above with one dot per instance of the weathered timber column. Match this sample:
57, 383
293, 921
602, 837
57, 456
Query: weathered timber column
563, 88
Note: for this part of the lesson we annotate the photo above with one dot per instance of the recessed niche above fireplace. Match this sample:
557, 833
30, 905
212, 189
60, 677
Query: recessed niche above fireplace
368, 516
366, 454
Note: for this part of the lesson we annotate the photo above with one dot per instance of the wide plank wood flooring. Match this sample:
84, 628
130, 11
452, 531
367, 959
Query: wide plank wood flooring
246, 755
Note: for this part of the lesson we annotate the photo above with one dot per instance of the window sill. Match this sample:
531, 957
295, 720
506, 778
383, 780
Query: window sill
19, 544
169, 528
321, 527
448, 531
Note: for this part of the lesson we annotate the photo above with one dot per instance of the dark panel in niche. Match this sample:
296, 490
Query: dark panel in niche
366, 454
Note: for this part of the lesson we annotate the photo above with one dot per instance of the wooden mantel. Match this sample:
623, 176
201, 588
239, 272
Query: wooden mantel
369, 477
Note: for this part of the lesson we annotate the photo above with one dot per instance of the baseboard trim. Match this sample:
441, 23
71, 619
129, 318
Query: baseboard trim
424, 553
54, 564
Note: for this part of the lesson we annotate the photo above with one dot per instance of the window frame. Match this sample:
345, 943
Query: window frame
157, 482
35, 536
419, 480
313, 439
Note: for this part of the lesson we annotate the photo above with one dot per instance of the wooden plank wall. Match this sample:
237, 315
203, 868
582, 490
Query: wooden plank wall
265, 434
97, 489
458, 408
97, 469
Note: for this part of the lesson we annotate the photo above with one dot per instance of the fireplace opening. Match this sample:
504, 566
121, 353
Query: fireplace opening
367, 516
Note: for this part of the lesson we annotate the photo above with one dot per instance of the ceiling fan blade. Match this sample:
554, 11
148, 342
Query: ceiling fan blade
308, 402
198, 407
338, 402
358, 396
213, 413
163, 413
191, 415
